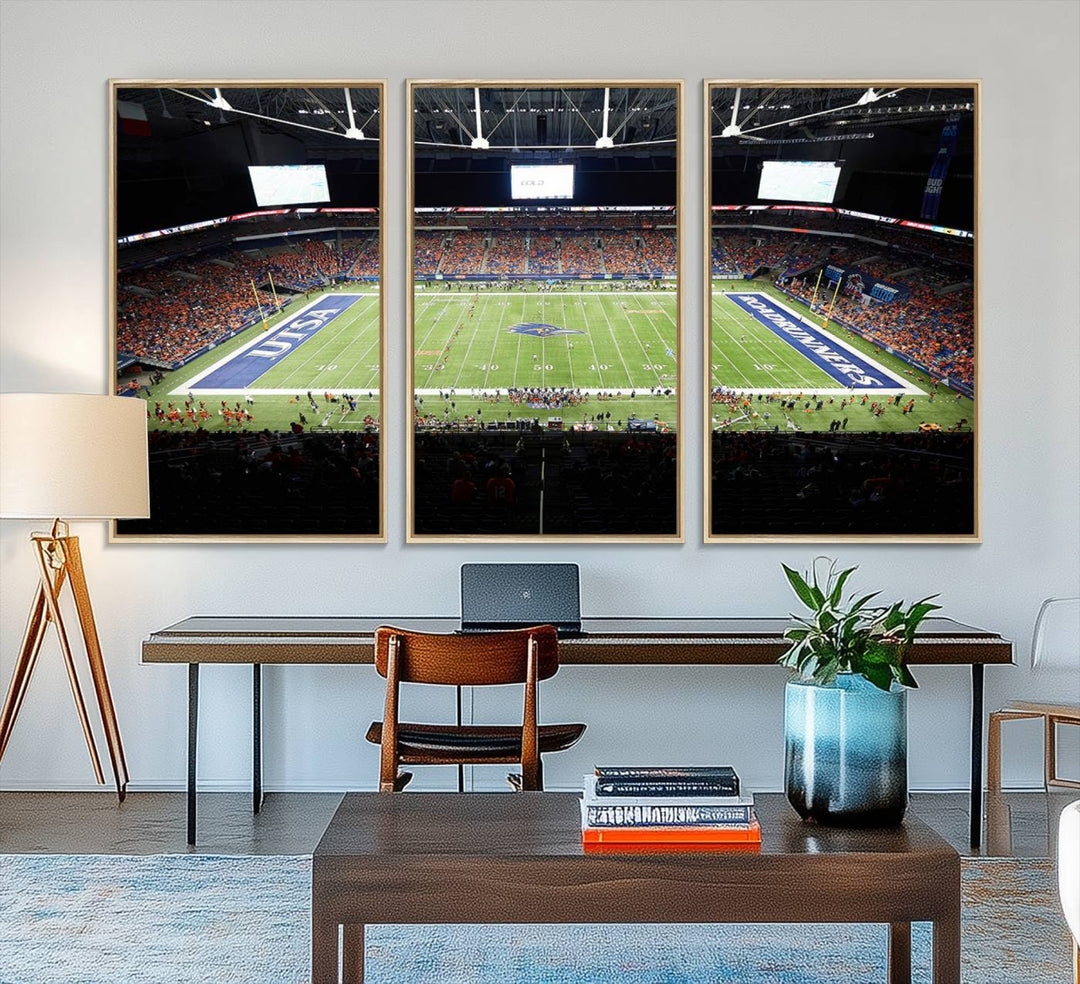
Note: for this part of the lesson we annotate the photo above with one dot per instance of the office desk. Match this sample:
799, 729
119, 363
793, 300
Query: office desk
260, 640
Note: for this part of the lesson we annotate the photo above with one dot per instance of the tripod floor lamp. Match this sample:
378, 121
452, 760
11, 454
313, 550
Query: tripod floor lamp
77, 457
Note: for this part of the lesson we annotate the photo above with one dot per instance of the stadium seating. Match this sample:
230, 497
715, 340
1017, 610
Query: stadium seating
507, 254
622, 254
851, 483
580, 255
594, 483
427, 247
543, 256
463, 254
660, 253
169, 310
204, 482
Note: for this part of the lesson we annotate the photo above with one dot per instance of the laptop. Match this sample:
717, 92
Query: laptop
515, 596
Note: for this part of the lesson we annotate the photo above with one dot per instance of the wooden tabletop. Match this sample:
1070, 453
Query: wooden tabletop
536, 825
614, 640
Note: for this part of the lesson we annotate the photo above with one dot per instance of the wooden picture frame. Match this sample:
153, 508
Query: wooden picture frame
759, 477
310, 465
432, 514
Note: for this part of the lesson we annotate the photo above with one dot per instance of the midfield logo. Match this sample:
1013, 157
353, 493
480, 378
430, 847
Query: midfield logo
538, 330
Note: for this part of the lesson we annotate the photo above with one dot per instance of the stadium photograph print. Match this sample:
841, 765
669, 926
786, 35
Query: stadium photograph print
544, 311
246, 237
841, 281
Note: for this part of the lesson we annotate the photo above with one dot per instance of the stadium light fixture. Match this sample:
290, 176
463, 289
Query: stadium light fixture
604, 142
219, 101
352, 132
479, 142
733, 129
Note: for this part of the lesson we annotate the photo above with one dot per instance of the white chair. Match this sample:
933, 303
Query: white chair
1069, 875
1055, 645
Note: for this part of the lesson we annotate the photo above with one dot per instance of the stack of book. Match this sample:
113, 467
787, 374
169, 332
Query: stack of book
678, 806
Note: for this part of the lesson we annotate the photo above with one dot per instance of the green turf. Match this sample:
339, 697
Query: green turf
343, 355
747, 355
623, 350
463, 342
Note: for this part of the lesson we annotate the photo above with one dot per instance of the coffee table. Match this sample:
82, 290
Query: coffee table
517, 858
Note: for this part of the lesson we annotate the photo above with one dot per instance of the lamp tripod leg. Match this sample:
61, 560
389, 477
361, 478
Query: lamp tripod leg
51, 592
77, 576
24, 667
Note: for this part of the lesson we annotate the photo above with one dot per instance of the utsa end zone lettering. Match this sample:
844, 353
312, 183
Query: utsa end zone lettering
297, 331
836, 359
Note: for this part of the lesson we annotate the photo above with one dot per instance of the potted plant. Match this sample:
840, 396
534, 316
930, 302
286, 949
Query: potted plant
845, 714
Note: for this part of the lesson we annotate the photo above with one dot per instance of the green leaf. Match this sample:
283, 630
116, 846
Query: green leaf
903, 675
837, 592
862, 601
880, 676
801, 588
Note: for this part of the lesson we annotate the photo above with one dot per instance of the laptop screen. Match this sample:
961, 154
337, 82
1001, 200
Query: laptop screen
494, 595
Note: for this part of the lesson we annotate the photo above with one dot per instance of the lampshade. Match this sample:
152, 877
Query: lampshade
73, 456
1055, 643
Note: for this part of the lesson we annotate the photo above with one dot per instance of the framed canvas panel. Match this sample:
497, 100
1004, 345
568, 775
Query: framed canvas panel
247, 312
841, 274
544, 311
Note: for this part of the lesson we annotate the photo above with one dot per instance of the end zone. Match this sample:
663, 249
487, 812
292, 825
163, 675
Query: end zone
855, 371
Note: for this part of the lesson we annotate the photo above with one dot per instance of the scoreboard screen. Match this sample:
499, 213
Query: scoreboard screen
799, 181
541, 181
289, 184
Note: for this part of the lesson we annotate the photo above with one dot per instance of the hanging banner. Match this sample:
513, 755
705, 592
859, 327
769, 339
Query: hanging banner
950, 134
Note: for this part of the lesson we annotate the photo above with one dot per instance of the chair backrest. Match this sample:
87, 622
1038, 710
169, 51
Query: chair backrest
468, 660
1055, 642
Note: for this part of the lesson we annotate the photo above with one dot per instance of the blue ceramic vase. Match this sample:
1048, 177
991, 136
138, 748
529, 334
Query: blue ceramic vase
846, 751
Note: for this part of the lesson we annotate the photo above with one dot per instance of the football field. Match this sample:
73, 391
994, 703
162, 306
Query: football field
318, 344
765, 343
617, 347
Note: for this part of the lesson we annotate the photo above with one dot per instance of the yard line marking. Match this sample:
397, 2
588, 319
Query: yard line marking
319, 351
611, 330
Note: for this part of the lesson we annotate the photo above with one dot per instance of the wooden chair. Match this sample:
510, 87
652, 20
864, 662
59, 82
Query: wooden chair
1055, 644
486, 659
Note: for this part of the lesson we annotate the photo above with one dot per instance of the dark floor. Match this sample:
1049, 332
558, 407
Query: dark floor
1020, 824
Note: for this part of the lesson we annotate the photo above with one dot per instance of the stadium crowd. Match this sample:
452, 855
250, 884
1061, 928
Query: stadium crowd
169, 310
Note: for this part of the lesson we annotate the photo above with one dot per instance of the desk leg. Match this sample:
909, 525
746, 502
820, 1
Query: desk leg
900, 953
976, 752
352, 954
256, 738
947, 950
192, 747
324, 949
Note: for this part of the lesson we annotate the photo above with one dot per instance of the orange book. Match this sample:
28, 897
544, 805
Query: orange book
734, 834
639, 848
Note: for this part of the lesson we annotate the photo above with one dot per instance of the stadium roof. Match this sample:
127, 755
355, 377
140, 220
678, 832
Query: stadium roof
315, 114
779, 114
541, 118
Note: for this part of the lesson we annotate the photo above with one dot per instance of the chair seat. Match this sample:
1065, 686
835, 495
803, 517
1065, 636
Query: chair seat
473, 743
1034, 707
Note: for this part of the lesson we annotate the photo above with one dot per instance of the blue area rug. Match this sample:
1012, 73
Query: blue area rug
172, 919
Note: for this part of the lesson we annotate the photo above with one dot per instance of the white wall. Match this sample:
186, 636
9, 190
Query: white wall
56, 58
